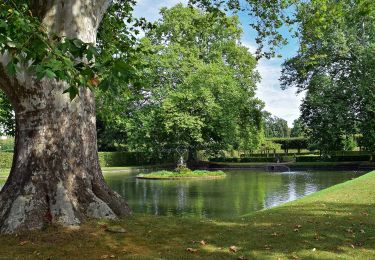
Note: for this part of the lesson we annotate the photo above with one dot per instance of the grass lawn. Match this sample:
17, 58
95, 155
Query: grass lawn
336, 223
4, 173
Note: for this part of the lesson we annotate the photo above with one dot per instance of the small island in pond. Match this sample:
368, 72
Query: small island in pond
182, 173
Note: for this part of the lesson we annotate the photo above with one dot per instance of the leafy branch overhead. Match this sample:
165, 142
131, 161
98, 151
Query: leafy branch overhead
27, 45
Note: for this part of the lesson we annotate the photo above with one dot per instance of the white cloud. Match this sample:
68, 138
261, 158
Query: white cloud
251, 47
150, 8
281, 103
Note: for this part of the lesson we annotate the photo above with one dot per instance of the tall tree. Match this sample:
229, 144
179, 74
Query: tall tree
55, 176
47, 48
200, 88
298, 128
274, 126
335, 66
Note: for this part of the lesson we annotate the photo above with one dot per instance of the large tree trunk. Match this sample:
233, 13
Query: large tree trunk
55, 176
192, 161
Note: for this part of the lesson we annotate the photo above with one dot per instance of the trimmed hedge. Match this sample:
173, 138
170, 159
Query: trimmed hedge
119, 159
106, 159
336, 158
6, 160
246, 159
7, 145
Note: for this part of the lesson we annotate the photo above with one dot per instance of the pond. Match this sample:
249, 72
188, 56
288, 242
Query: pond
240, 193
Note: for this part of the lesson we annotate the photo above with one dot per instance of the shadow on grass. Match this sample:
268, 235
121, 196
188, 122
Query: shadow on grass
335, 223
311, 230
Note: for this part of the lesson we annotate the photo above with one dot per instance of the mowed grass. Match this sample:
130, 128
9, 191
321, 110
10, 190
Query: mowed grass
336, 223
4, 173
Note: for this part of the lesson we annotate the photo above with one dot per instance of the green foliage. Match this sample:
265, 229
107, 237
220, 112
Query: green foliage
118, 159
26, 41
184, 174
335, 65
266, 17
7, 145
274, 126
182, 169
336, 158
106, 159
6, 160
298, 128
198, 88
291, 143
7, 124
244, 159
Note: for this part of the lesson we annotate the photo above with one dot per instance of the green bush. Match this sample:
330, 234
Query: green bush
246, 159
335, 158
120, 159
6, 160
259, 159
106, 159
299, 143
7, 145
287, 158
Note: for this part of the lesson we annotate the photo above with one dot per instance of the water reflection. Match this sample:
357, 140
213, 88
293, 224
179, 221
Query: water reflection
241, 192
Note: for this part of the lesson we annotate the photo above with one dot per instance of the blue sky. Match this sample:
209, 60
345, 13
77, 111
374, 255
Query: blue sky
281, 103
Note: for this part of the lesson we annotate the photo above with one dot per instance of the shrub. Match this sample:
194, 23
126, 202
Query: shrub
7, 145
299, 143
6, 160
246, 159
335, 158
120, 159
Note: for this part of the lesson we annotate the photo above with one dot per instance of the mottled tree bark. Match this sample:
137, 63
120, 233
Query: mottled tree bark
55, 176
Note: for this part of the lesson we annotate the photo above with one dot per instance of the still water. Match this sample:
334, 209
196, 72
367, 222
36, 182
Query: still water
241, 192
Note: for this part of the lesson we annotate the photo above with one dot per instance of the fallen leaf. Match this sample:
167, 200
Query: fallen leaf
112, 256
115, 229
23, 242
275, 234
202, 242
242, 258
362, 231
352, 245
314, 249
104, 257
296, 230
233, 249
191, 250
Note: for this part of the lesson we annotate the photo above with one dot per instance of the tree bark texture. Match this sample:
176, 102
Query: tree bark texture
55, 176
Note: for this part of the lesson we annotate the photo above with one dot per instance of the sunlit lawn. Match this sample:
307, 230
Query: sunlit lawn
335, 223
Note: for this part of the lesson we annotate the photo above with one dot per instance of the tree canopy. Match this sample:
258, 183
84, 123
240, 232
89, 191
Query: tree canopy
199, 86
335, 65
275, 126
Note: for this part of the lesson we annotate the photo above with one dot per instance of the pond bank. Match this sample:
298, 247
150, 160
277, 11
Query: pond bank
296, 166
338, 222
